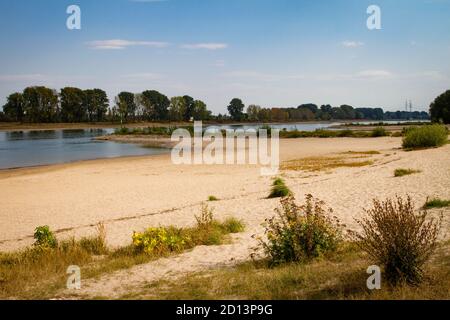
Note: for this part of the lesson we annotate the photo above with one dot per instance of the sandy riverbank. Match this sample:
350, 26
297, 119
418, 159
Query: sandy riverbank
130, 194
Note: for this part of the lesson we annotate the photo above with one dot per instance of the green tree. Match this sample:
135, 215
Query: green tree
40, 104
200, 111
253, 112
13, 108
126, 105
177, 109
235, 109
156, 105
189, 109
440, 108
95, 103
72, 106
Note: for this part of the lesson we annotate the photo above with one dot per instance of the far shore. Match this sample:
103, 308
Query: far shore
15, 126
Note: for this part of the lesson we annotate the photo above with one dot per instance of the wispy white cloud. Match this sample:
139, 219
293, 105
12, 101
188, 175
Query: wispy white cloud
21, 77
118, 44
352, 44
206, 46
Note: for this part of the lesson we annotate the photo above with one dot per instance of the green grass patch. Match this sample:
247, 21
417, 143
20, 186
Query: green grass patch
404, 172
279, 189
436, 203
213, 198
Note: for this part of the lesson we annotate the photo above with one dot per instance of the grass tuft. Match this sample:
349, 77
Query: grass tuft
279, 189
404, 172
436, 203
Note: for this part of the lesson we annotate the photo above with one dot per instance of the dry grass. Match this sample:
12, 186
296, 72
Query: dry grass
339, 276
370, 152
39, 273
325, 163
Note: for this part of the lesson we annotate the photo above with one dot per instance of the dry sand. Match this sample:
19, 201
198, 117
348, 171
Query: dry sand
130, 194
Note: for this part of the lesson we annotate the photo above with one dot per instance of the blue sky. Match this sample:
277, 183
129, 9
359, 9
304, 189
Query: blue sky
267, 52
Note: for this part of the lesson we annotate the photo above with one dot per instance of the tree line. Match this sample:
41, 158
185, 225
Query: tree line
309, 112
44, 105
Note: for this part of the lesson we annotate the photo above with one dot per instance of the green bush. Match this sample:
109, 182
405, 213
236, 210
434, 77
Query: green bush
279, 189
300, 233
164, 240
398, 239
379, 132
425, 137
436, 203
44, 237
212, 198
404, 172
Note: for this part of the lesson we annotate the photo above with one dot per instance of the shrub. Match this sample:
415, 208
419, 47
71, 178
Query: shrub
378, 132
300, 233
279, 189
436, 203
212, 198
398, 239
44, 237
425, 137
164, 240
159, 240
404, 172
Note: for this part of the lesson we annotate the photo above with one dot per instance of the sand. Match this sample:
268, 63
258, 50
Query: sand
130, 194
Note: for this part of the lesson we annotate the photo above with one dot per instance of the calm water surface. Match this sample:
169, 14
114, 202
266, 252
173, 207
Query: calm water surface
33, 148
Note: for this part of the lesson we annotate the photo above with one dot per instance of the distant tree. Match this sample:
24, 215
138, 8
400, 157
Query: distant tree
40, 104
13, 109
200, 111
126, 105
156, 105
348, 112
235, 109
264, 115
311, 106
95, 103
279, 114
253, 112
72, 106
189, 107
440, 108
177, 109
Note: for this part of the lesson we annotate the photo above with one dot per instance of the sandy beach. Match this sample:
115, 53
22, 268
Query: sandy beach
130, 194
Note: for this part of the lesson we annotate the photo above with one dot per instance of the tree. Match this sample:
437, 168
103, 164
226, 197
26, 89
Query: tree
235, 109
95, 103
126, 104
40, 104
189, 107
200, 111
348, 111
264, 115
253, 112
156, 105
311, 106
13, 109
279, 114
177, 109
72, 106
440, 108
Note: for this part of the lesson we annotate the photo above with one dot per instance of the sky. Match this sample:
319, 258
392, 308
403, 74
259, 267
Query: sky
274, 53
